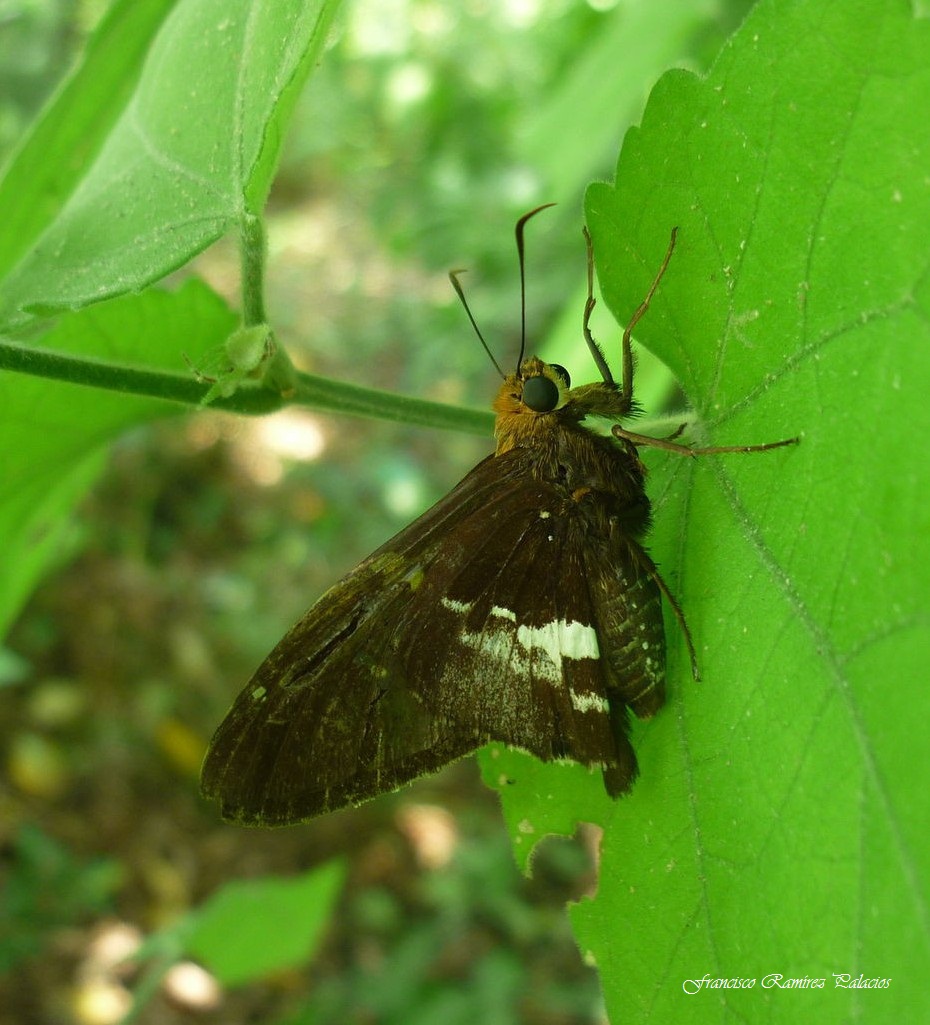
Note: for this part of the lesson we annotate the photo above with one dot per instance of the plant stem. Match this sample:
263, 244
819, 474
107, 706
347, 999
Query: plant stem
311, 391
280, 375
338, 396
252, 263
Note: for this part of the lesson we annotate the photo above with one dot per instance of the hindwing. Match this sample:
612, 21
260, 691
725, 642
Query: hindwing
501, 614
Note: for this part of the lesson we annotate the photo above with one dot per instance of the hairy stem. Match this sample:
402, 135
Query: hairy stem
310, 391
252, 263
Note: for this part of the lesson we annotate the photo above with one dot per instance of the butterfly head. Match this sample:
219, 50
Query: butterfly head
530, 401
535, 390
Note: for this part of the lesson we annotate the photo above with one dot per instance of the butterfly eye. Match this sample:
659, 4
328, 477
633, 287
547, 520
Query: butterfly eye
563, 374
541, 394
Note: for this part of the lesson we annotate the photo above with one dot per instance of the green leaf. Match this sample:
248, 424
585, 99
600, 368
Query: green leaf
540, 799
251, 928
778, 824
52, 434
67, 136
188, 158
133, 168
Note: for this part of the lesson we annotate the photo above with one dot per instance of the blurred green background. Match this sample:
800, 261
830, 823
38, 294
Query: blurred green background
427, 130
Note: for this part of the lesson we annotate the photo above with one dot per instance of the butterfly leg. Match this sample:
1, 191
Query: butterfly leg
667, 445
589, 305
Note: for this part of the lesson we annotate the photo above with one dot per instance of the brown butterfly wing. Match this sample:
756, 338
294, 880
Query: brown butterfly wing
486, 619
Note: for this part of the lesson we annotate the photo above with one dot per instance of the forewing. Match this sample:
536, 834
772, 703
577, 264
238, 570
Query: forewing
328, 719
478, 622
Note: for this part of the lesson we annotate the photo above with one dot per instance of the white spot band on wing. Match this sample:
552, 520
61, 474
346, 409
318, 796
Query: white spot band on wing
502, 613
557, 639
560, 639
587, 702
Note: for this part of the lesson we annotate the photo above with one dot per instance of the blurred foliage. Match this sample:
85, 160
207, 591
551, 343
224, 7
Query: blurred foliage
46, 889
37, 40
413, 150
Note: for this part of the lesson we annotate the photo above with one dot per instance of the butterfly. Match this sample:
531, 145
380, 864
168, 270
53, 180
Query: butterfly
521, 608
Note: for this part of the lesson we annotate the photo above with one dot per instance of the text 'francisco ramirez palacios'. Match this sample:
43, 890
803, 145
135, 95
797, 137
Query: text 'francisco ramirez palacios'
840, 980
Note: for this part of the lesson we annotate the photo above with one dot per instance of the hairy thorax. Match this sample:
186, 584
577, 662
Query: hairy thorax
603, 475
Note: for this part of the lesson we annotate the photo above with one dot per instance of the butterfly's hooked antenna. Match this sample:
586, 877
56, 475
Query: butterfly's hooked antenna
519, 234
454, 278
